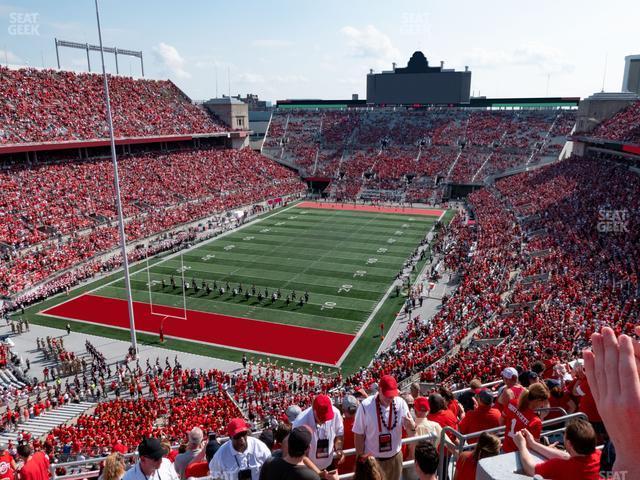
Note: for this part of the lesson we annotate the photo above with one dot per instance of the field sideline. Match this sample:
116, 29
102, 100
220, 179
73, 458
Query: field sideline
345, 260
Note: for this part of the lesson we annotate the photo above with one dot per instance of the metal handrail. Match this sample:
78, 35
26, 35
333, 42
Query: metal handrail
404, 441
462, 439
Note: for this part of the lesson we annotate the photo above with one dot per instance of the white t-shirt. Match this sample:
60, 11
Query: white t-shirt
329, 430
165, 472
366, 423
227, 462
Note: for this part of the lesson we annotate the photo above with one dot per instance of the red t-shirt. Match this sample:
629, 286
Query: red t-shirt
36, 469
198, 469
515, 420
583, 467
6, 470
587, 403
466, 467
349, 463
481, 418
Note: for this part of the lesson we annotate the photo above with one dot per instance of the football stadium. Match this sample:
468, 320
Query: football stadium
378, 265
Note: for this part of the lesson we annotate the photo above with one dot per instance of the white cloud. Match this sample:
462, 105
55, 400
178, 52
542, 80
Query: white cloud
370, 43
536, 55
252, 78
7, 56
270, 43
171, 59
290, 79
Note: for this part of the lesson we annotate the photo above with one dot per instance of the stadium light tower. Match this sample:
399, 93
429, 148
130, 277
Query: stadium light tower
116, 180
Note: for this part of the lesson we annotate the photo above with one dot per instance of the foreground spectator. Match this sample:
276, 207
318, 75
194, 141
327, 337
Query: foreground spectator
521, 414
612, 369
581, 460
291, 464
378, 427
426, 461
483, 417
7, 464
151, 465
114, 467
488, 446
241, 457
195, 452
367, 468
36, 465
325, 423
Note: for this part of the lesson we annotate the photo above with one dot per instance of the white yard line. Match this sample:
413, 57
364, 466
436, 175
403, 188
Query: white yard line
173, 255
378, 307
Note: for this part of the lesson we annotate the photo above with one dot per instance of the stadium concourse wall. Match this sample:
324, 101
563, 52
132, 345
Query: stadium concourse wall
132, 246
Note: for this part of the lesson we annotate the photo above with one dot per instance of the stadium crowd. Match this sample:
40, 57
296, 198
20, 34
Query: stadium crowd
51, 106
63, 213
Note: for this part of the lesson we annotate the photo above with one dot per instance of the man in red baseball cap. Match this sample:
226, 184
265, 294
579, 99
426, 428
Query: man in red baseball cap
241, 457
378, 427
325, 422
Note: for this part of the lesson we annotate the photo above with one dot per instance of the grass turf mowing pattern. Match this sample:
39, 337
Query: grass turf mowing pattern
302, 249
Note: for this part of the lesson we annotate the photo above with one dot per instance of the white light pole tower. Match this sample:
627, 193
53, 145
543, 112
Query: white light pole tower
116, 180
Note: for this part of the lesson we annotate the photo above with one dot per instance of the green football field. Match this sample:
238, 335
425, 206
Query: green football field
344, 260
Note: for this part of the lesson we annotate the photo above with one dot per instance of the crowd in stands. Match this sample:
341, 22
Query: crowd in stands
51, 106
367, 148
63, 213
624, 126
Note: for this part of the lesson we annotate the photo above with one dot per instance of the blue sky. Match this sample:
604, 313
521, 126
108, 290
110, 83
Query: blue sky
297, 49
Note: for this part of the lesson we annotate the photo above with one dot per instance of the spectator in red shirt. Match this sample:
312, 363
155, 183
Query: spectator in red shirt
483, 417
521, 414
7, 464
439, 413
349, 408
488, 446
581, 460
36, 465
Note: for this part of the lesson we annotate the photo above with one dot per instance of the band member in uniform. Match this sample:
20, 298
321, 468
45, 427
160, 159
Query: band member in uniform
163, 284
306, 297
287, 300
173, 283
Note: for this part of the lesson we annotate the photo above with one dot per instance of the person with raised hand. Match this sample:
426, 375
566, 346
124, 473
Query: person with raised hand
612, 368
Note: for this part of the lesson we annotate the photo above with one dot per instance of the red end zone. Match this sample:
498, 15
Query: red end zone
431, 212
258, 336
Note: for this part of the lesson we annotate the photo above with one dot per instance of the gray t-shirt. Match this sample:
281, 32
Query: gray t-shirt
183, 460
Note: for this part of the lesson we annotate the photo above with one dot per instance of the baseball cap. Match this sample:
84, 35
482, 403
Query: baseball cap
509, 373
349, 403
293, 411
323, 408
388, 386
484, 396
298, 441
236, 426
421, 404
151, 448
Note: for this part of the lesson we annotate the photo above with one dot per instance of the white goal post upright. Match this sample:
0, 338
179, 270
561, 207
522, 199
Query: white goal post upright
151, 283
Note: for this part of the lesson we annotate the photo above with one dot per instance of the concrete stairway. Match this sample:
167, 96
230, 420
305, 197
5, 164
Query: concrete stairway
44, 423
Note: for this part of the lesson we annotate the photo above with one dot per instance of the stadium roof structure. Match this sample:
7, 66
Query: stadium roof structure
104, 142
477, 102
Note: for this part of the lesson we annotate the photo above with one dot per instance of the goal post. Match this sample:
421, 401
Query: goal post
167, 304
